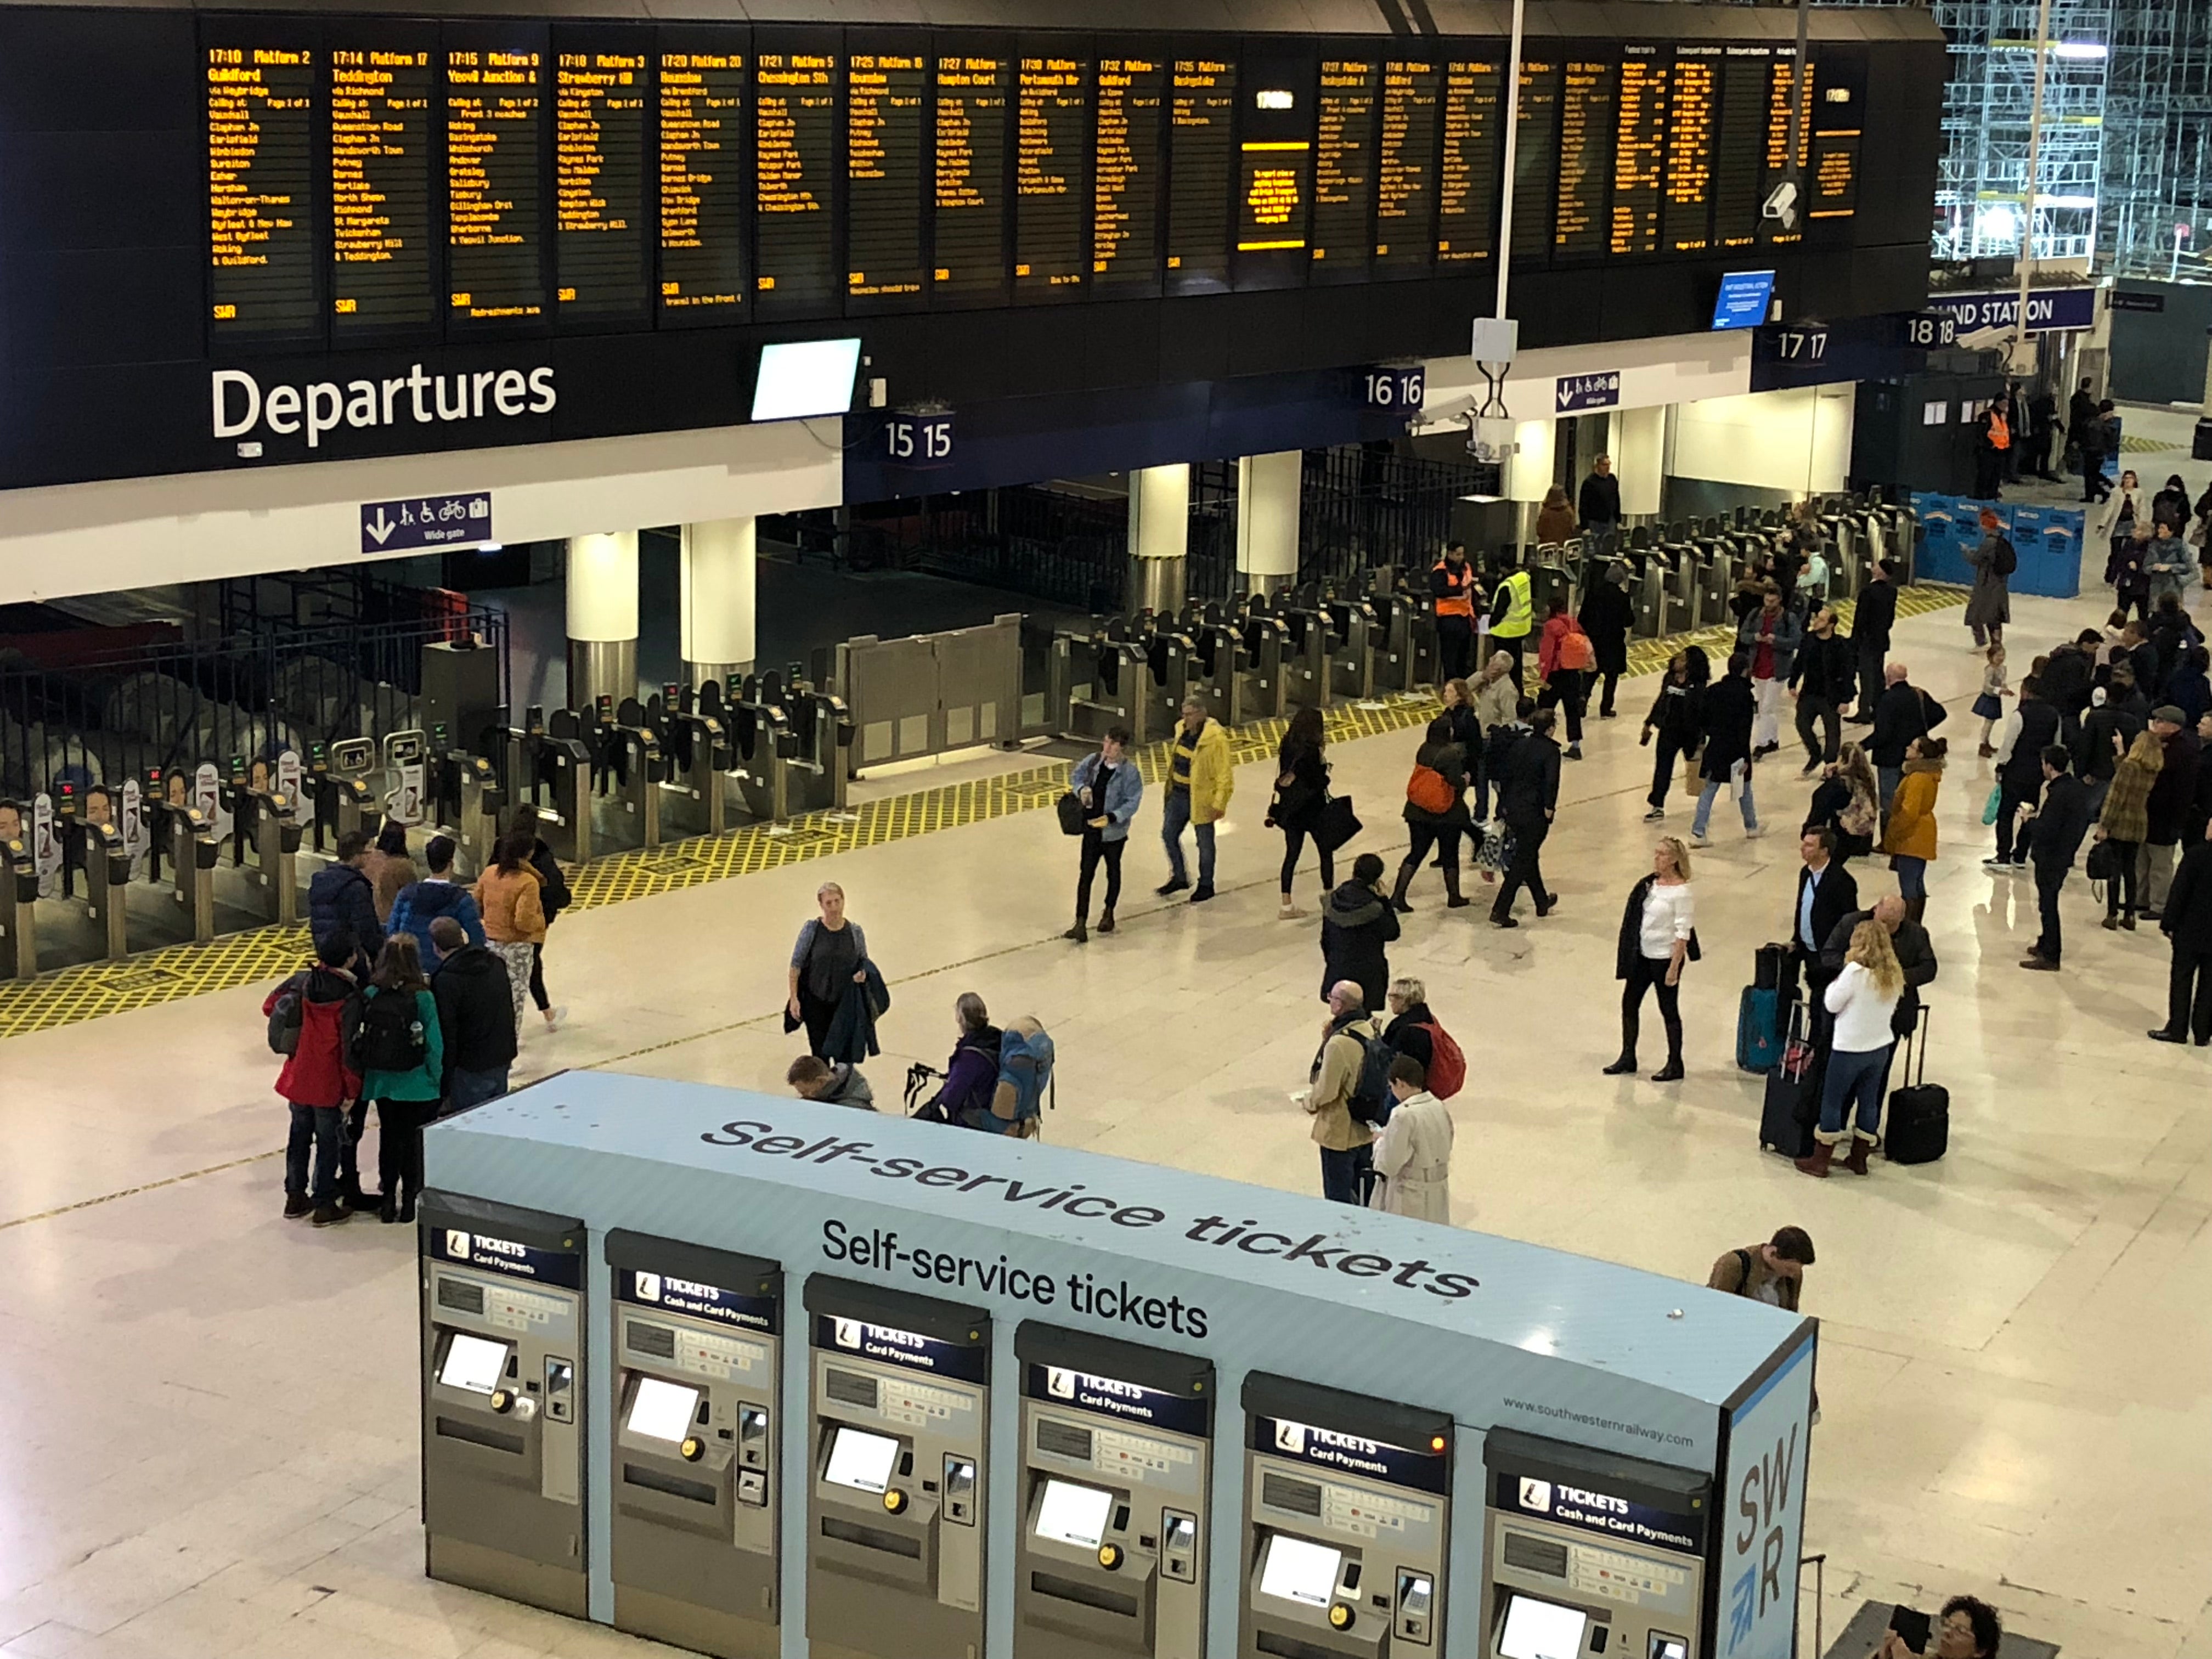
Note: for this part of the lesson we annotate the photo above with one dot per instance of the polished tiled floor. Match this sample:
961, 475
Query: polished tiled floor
211, 1418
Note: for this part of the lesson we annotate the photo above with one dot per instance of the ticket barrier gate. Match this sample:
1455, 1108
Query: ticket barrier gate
1103, 679
1679, 613
897, 1419
194, 852
558, 761
1355, 641
695, 755
337, 778
1591, 1555
818, 778
1307, 678
504, 1342
1410, 656
107, 887
1715, 582
1237, 664
762, 747
1647, 591
19, 918
696, 1480
1116, 1476
1320, 1578
466, 801
407, 777
626, 772
262, 818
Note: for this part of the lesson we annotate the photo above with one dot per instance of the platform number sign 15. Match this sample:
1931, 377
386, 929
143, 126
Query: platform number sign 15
1399, 390
918, 440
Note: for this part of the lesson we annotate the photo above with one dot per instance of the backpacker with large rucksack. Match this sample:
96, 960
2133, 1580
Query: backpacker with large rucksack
1025, 1082
386, 1033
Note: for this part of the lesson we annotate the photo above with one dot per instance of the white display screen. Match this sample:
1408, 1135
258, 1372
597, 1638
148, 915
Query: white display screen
861, 1460
1541, 1629
661, 1411
805, 377
1069, 1514
474, 1363
1299, 1572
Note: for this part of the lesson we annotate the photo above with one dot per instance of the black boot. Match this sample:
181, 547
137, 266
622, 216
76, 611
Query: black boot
1079, 933
1405, 880
1916, 908
1624, 1066
1453, 899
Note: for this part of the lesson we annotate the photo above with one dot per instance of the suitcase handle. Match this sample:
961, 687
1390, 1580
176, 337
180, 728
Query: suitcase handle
1916, 1039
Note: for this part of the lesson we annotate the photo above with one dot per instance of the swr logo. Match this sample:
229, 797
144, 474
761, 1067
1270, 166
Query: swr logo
1536, 1495
1291, 1438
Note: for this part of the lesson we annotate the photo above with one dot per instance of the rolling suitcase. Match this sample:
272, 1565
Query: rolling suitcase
1757, 1016
1793, 1094
1919, 1126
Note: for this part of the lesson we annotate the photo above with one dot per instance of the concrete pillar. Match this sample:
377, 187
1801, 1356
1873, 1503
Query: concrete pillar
602, 617
1267, 519
1160, 536
1639, 459
720, 616
1529, 474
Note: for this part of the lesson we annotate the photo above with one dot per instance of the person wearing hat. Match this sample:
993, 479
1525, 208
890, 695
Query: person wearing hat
1989, 607
2168, 806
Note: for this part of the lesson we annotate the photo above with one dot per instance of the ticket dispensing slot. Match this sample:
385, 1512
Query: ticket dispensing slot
897, 1416
1592, 1555
503, 1339
697, 1345
1347, 1522
1116, 1468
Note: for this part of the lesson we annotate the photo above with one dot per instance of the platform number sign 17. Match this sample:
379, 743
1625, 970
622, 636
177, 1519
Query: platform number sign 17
918, 440
1764, 1513
1397, 390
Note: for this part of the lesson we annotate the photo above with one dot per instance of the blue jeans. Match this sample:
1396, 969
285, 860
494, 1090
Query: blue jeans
467, 1089
1176, 817
318, 1127
1743, 800
1343, 1176
1886, 779
1912, 877
1852, 1073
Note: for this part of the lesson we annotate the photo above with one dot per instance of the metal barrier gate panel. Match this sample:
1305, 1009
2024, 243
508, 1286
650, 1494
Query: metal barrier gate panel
930, 694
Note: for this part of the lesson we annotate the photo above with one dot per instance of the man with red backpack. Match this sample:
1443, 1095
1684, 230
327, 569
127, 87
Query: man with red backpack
1436, 812
307, 1019
1566, 658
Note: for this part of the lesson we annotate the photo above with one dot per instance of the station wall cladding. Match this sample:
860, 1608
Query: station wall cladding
236, 240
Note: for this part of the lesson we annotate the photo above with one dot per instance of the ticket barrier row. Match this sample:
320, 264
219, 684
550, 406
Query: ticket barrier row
1340, 1545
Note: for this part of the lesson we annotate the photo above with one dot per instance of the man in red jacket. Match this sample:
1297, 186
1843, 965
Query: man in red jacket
316, 1080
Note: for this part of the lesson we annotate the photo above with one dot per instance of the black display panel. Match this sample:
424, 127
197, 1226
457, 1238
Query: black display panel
1588, 90
886, 115
796, 99
602, 211
1406, 175
1345, 135
495, 131
972, 106
1274, 173
1052, 146
1740, 146
1126, 176
704, 186
1639, 154
383, 255
1693, 122
264, 240
1832, 172
1467, 195
1202, 168
1536, 158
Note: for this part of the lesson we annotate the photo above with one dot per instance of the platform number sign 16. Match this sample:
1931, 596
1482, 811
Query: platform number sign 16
916, 440
1397, 390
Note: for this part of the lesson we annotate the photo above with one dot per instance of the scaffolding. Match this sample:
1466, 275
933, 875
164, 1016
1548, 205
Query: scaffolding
2158, 149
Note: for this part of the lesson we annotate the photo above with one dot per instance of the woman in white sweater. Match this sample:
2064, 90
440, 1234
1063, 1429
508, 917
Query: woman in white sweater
1863, 999
1658, 936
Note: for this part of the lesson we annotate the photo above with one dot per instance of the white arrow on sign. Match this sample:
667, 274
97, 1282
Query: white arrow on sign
379, 527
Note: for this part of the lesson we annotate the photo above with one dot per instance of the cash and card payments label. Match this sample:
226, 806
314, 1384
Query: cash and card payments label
1600, 1512
697, 1300
1376, 1460
910, 1349
458, 1245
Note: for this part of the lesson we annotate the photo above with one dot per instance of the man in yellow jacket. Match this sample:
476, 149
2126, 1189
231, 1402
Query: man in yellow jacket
1513, 616
1200, 779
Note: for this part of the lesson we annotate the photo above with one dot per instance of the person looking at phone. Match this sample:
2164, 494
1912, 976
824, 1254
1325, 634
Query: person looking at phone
1968, 1628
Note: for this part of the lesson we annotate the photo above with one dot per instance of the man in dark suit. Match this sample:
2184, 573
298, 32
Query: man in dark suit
1826, 891
1871, 622
2054, 834
2188, 924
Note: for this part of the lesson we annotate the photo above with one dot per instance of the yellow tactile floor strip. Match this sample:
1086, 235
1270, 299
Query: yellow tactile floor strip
69, 995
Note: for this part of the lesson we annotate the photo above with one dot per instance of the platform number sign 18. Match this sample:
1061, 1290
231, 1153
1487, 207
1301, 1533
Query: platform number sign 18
1397, 390
918, 440
1932, 329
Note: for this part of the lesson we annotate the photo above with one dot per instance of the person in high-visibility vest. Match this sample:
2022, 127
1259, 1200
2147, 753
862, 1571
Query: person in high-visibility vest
1453, 586
1513, 617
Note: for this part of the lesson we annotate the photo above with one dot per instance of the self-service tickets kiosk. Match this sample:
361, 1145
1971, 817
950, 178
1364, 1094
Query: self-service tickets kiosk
1591, 1555
1348, 1518
503, 1338
697, 1409
1117, 1470
898, 1415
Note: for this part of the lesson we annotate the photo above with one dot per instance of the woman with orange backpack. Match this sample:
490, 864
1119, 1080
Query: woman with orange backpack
1436, 812
1567, 659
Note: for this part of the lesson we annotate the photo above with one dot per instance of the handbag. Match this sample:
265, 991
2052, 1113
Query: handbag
1071, 814
1990, 806
1335, 824
1496, 852
2104, 862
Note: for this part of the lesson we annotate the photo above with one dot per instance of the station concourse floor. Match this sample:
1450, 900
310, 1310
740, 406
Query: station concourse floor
212, 1451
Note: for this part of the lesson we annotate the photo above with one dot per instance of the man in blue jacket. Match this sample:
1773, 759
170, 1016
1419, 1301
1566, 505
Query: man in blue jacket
340, 896
422, 902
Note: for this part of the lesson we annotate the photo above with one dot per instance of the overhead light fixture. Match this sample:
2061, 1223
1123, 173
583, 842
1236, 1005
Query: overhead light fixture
2080, 49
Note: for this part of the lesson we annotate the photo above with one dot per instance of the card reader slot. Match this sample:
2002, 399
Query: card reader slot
1089, 1596
454, 1428
675, 1485
871, 1538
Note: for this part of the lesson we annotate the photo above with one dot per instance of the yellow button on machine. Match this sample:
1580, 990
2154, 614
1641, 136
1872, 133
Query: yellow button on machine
1109, 1556
895, 1500
1340, 1616
501, 1399
693, 1449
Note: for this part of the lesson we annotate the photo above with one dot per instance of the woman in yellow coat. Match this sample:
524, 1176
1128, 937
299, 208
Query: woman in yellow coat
1909, 837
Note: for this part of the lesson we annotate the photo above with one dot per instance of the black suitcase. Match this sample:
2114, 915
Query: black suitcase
1919, 1128
1793, 1093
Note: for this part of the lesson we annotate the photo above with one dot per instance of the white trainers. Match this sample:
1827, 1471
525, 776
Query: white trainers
1289, 912
1698, 839
1754, 832
555, 1016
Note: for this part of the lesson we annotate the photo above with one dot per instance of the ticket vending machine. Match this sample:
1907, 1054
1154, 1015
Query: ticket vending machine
1591, 1555
1347, 1519
1116, 1468
898, 1414
503, 1336
697, 1341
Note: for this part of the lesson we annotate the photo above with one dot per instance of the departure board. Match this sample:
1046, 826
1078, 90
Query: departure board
1833, 180
1124, 176
1467, 193
1692, 106
1405, 171
885, 114
1272, 218
1781, 88
1740, 146
381, 278
1201, 155
704, 186
262, 246
1344, 170
971, 178
1588, 91
1639, 153
1536, 158
599, 213
1051, 168
794, 193
493, 227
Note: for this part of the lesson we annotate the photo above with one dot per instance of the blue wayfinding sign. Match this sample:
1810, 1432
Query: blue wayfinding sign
426, 521
2047, 308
